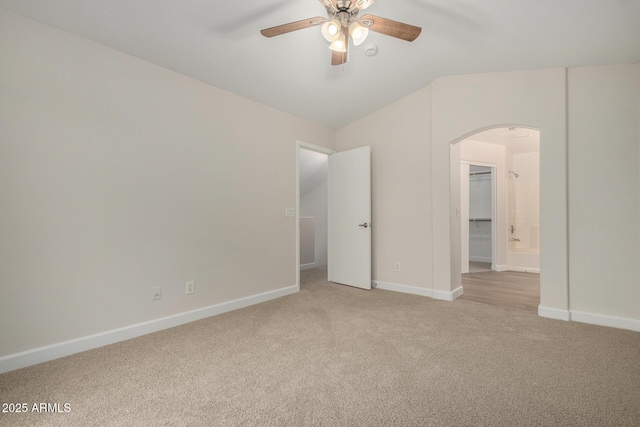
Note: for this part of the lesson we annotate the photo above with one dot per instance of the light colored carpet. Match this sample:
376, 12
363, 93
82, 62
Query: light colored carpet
338, 356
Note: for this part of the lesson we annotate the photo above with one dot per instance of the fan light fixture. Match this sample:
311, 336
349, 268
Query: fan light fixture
342, 21
331, 30
340, 45
358, 33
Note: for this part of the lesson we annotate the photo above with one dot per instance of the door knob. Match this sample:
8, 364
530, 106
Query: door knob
365, 225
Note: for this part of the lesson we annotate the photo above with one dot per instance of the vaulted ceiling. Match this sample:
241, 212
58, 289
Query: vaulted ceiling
220, 43
313, 169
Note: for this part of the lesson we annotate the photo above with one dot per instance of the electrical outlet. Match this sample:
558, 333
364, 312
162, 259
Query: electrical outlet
397, 266
190, 287
157, 293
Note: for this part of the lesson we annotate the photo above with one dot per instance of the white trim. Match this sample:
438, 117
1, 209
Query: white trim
477, 163
500, 267
415, 290
603, 320
480, 259
524, 269
547, 312
307, 266
447, 296
553, 313
405, 289
494, 207
50, 352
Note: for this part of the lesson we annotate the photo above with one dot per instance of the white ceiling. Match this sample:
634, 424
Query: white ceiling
219, 43
313, 169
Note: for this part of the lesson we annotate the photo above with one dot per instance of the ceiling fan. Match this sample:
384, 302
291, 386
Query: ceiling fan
343, 22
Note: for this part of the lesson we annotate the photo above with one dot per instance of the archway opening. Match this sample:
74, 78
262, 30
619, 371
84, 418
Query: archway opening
495, 200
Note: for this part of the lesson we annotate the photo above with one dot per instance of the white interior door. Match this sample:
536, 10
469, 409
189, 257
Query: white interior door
350, 217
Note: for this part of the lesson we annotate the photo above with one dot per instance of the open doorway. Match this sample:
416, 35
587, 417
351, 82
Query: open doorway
500, 217
333, 191
477, 225
313, 213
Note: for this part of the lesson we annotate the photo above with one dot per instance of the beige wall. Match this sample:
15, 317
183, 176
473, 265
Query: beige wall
603, 102
117, 175
400, 140
463, 105
603, 190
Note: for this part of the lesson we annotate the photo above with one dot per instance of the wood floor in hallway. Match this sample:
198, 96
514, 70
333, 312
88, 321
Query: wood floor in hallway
505, 288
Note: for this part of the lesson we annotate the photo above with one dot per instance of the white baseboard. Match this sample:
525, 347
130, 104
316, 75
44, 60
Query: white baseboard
415, 290
590, 318
480, 259
50, 352
500, 267
548, 312
447, 296
406, 289
553, 313
307, 266
603, 320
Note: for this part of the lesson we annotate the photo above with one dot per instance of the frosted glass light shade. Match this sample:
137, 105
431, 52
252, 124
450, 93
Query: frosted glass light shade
358, 33
338, 45
331, 30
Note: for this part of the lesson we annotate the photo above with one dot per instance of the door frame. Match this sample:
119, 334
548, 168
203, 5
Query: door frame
494, 208
301, 145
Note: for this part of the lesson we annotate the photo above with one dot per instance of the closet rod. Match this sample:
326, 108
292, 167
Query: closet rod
479, 173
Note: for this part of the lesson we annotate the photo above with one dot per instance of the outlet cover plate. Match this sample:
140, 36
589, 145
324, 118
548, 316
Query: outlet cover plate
190, 287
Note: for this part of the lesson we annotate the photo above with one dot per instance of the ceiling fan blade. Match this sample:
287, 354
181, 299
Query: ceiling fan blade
292, 26
391, 28
339, 58
363, 4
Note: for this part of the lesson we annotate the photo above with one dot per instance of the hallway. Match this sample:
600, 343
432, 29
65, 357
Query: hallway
511, 289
